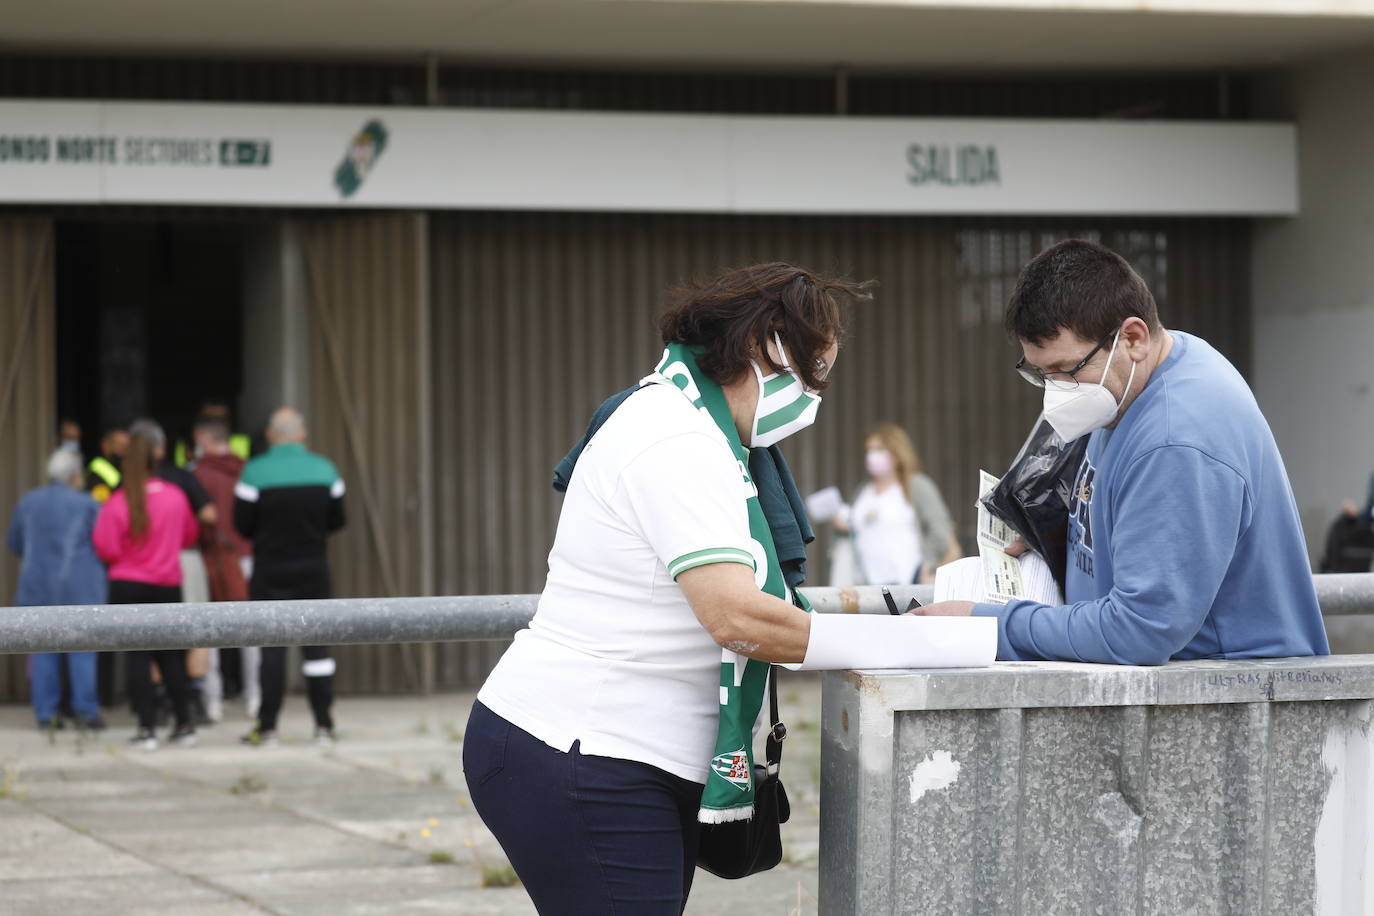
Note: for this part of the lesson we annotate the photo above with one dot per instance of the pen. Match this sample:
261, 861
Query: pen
891, 605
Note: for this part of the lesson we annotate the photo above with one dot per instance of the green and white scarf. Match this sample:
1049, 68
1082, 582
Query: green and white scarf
729, 791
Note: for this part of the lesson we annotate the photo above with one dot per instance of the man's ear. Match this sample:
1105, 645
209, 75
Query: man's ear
1137, 337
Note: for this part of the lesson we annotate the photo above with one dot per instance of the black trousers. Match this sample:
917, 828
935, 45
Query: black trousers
587, 835
282, 581
318, 666
171, 662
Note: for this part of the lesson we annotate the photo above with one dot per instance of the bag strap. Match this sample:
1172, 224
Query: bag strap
777, 732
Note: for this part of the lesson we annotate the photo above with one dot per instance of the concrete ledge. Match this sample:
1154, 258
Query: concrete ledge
1040, 787
1021, 685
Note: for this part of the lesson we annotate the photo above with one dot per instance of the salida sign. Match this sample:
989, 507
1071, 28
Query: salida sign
965, 164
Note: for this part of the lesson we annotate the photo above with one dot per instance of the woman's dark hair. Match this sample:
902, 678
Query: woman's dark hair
145, 438
1081, 286
733, 313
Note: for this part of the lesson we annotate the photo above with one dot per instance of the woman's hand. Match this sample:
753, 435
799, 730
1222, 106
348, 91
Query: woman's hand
841, 524
743, 619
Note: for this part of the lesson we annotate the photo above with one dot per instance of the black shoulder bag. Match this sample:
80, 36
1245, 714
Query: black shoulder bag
737, 849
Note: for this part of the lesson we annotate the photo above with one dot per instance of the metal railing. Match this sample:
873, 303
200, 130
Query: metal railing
354, 621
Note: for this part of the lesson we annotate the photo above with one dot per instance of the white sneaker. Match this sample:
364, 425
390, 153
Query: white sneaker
324, 737
143, 742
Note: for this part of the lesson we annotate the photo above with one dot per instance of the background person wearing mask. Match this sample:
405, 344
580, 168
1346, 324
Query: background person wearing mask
140, 534
69, 435
50, 532
1184, 538
898, 524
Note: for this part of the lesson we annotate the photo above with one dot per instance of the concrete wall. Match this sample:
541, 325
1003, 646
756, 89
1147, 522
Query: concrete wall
1313, 293
1313, 303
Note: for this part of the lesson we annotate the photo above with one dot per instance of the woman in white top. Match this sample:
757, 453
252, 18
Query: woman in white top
899, 523
623, 716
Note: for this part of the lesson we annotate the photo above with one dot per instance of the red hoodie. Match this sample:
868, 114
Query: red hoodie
218, 474
152, 559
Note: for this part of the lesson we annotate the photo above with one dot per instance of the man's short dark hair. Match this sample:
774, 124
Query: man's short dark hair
214, 427
1081, 286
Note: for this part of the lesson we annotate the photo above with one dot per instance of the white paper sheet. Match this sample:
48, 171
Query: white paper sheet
968, 580
1039, 580
824, 505
961, 580
841, 641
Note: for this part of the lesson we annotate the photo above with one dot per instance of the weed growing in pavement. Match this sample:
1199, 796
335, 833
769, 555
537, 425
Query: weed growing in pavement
498, 876
453, 733
440, 857
9, 778
248, 784
436, 776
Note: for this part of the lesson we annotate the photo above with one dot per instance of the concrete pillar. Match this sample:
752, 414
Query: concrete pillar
276, 350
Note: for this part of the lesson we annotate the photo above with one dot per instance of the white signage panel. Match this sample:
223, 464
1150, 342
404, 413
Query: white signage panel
418, 158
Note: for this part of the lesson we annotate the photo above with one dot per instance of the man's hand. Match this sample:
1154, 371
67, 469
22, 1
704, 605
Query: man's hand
1349, 509
1017, 547
944, 609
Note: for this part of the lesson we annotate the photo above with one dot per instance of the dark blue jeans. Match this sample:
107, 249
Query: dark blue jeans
594, 835
46, 687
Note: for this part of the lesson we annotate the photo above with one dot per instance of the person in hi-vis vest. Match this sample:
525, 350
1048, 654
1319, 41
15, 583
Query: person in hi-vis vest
104, 473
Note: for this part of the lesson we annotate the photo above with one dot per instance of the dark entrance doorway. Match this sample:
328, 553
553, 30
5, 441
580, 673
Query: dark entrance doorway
149, 321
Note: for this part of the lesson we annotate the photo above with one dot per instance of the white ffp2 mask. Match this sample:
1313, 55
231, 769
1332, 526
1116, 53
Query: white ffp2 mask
1087, 406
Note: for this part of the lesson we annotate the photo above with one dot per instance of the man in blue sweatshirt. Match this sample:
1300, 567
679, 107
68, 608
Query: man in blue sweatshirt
1184, 539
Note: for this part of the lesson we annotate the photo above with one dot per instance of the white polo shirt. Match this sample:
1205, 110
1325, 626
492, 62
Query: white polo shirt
614, 656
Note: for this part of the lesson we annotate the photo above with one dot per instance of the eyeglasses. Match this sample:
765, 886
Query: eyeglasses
1040, 379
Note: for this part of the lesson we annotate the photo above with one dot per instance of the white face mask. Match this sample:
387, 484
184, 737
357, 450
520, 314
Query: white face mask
785, 406
879, 462
1087, 406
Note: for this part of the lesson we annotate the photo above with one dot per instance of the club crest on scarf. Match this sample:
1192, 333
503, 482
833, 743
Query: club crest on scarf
734, 767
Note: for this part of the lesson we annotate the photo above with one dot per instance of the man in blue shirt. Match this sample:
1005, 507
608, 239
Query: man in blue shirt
51, 533
1184, 538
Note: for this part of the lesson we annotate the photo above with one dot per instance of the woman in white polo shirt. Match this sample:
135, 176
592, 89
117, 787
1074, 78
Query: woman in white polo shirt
622, 716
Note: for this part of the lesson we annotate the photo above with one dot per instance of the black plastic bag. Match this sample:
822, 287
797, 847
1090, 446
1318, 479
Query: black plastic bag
1034, 495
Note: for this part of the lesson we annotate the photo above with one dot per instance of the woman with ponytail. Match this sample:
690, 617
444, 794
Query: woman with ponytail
139, 535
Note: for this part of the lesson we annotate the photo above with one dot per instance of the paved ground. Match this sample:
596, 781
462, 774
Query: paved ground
379, 824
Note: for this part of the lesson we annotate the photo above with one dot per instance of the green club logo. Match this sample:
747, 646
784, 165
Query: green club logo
359, 159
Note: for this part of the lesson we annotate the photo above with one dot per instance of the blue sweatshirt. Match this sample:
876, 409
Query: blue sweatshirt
1184, 538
